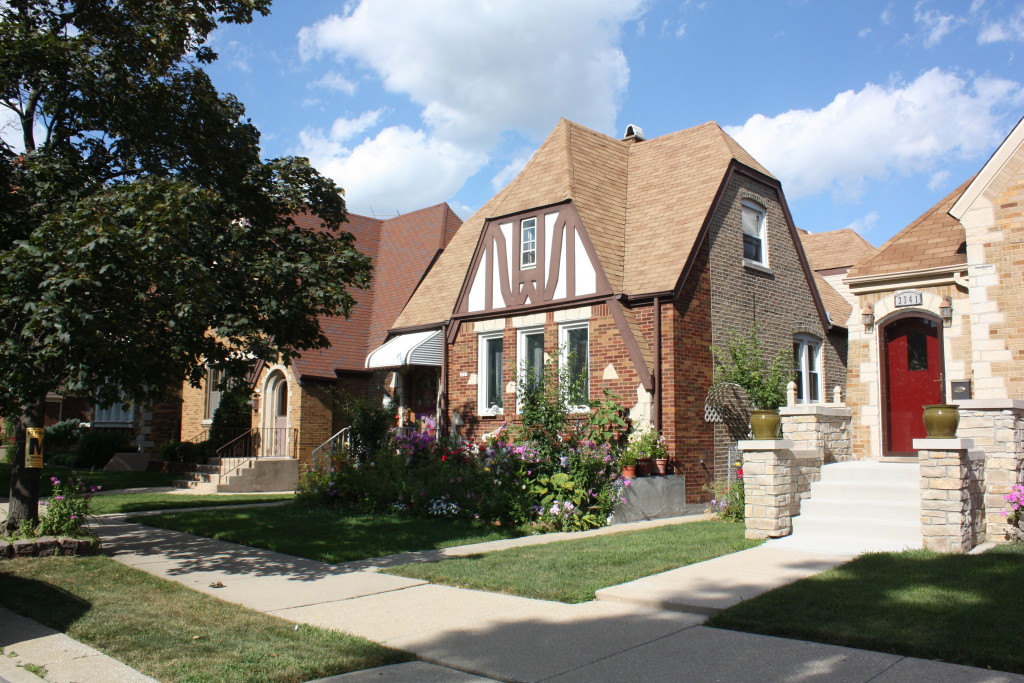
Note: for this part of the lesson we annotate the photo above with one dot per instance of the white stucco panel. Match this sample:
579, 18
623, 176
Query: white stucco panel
586, 275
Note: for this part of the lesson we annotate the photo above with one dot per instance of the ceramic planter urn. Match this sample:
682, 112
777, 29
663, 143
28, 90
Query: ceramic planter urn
765, 424
940, 421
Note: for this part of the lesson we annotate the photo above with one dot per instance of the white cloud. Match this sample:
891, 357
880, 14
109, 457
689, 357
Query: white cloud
511, 170
936, 24
681, 31
864, 32
398, 170
886, 16
867, 135
476, 73
343, 129
332, 80
1011, 28
938, 180
864, 224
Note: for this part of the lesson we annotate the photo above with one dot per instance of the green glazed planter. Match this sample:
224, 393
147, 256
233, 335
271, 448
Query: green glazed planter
941, 420
765, 424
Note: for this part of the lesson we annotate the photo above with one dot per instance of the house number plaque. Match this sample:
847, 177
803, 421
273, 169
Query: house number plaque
901, 299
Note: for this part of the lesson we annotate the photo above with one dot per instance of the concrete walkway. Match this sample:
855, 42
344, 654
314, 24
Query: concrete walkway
649, 629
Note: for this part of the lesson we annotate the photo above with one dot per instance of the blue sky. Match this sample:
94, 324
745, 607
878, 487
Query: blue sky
869, 112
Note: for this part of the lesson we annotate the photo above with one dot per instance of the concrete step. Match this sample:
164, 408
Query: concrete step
841, 545
864, 491
900, 510
859, 528
871, 471
197, 486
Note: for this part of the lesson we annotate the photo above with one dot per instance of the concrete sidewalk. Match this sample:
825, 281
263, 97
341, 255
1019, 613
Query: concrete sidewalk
649, 629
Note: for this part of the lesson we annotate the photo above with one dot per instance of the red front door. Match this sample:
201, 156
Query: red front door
913, 378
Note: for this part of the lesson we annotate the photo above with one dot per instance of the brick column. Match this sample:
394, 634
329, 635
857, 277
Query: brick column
774, 477
997, 427
951, 498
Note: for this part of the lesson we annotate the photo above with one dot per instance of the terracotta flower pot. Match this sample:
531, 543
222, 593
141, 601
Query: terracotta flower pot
629, 471
659, 466
940, 421
765, 424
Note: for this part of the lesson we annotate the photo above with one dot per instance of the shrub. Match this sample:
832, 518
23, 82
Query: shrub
63, 436
1015, 499
233, 416
372, 424
97, 447
743, 362
728, 497
67, 510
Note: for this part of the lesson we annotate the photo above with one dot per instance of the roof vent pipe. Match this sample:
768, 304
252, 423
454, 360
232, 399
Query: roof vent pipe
634, 133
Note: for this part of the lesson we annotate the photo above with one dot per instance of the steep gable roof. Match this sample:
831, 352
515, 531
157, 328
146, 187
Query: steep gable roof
934, 240
402, 249
835, 249
629, 195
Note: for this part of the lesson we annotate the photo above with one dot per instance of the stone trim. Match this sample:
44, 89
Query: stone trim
952, 484
776, 478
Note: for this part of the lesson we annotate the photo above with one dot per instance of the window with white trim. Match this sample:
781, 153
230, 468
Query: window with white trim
755, 246
490, 364
214, 379
807, 368
528, 243
574, 344
530, 357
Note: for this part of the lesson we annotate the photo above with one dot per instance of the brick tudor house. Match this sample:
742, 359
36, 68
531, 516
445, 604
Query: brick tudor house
294, 405
636, 256
938, 317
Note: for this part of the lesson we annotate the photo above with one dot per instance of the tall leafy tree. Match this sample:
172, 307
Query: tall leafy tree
141, 234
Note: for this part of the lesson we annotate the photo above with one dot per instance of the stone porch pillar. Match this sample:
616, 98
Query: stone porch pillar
951, 494
774, 477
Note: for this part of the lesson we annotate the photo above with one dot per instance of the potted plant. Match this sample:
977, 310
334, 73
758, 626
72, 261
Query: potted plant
647, 450
627, 461
743, 362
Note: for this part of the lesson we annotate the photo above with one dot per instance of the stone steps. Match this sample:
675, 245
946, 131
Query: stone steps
859, 507
241, 475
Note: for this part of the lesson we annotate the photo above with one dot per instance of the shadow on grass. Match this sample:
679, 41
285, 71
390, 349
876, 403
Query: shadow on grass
956, 608
48, 604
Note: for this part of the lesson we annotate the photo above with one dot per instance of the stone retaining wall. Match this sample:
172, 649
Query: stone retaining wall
45, 546
996, 426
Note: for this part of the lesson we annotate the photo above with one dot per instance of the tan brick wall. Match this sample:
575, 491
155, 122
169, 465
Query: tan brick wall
193, 408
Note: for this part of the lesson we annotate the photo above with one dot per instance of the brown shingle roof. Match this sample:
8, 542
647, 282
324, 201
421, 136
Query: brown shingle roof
629, 195
402, 248
935, 239
836, 249
839, 309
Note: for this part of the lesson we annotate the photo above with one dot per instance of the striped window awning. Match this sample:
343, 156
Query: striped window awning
415, 348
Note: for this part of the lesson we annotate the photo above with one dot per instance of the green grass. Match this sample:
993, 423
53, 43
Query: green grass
108, 480
172, 633
956, 608
572, 571
324, 534
138, 502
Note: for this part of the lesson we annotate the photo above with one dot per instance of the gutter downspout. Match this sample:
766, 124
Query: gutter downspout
656, 403
442, 396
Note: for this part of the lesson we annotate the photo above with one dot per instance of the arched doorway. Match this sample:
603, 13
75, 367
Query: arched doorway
913, 375
275, 416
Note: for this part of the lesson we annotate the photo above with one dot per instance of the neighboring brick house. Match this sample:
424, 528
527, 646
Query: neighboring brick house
294, 405
636, 256
943, 299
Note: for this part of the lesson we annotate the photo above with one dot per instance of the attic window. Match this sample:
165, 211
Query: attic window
753, 233
528, 243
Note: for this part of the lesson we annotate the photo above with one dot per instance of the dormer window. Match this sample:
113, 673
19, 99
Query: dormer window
528, 243
754, 248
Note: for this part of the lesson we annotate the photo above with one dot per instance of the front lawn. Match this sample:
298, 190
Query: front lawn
326, 534
964, 609
572, 571
107, 480
139, 502
173, 633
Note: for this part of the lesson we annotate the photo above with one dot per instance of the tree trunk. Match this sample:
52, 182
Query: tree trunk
24, 500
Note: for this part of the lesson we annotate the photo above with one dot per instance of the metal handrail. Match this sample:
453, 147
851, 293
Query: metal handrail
251, 442
343, 436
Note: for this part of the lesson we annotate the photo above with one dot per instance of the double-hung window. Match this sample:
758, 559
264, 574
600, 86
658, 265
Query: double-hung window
530, 359
528, 243
214, 380
574, 343
807, 366
754, 243
490, 364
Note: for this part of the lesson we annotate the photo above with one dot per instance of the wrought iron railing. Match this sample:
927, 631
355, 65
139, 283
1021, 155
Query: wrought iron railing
263, 442
324, 454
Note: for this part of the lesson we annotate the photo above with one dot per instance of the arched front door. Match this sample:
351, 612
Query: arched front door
275, 416
913, 377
